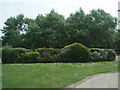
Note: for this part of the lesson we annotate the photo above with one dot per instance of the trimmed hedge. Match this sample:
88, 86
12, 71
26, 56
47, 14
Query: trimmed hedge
47, 55
12, 55
29, 57
102, 54
75, 52
7, 54
110, 55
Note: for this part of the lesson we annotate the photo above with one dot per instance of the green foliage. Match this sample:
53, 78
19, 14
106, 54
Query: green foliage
12, 55
98, 54
75, 52
29, 57
111, 54
7, 54
12, 35
52, 30
47, 54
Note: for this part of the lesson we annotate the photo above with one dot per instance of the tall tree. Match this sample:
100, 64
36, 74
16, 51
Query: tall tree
101, 28
53, 25
77, 31
12, 30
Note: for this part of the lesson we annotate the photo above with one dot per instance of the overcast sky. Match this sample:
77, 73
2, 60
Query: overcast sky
31, 8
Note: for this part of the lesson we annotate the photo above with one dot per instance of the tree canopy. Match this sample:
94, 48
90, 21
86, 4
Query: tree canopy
95, 29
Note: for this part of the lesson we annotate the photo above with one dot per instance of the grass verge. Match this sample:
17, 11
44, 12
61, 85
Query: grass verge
51, 75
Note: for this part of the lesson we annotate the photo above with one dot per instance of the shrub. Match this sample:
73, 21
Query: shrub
105, 54
111, 54
74, 53
11, 55
7, 54
47, 54
29, 57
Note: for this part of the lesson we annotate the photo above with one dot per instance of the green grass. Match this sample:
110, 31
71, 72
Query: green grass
51, 75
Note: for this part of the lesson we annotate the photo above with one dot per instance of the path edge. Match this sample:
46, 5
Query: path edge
87, 78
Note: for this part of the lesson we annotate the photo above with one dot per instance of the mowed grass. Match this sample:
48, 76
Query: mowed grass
51, 75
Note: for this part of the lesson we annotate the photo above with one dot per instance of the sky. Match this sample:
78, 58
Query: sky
31, 8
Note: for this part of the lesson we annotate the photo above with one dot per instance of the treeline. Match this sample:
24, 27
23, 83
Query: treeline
96, 29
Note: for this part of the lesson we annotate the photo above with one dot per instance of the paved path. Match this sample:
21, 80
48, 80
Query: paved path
101, 81
107, 80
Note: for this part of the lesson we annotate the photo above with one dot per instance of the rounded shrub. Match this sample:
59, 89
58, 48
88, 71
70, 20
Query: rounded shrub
110, 54
106, 54
75, 52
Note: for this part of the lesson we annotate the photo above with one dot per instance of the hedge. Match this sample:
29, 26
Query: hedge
47, 54
12, 55
29, 57
98, 54
75, 52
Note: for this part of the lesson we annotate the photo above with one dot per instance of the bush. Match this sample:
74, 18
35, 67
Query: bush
105, 54
7, 54
111, 54
47, 54
11, 55
29, 57
74, 53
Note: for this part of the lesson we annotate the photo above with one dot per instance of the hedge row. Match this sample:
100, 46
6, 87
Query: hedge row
72, 53
102, 54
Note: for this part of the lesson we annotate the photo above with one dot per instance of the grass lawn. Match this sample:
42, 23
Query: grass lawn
51, 75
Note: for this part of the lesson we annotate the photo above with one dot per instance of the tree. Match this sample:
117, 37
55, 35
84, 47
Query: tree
76, 28
96, 29
101, 28
12, 31
53, 25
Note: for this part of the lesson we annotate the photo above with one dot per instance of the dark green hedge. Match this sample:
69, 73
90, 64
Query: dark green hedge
29, 57
75, 52
12, 55
47, 55
72, 53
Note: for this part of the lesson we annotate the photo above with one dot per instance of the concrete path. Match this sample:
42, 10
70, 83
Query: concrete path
107, 80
